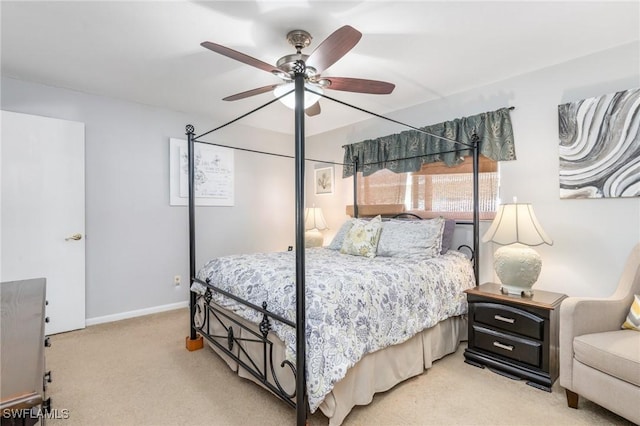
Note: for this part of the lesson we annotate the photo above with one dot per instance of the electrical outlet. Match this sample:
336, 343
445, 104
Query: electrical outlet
177, 280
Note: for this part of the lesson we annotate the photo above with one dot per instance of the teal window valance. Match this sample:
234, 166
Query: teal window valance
407, 151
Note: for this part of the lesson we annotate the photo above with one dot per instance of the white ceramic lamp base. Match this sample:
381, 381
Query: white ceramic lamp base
518, 267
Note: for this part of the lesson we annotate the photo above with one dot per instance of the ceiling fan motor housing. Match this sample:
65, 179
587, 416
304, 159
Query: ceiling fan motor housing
298, 39
287, 62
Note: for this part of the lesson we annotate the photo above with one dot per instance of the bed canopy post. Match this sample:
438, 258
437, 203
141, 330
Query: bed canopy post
476, 206
192, 229
355, 186
301, 374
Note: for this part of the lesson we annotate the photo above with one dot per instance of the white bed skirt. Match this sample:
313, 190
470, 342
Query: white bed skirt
376, 372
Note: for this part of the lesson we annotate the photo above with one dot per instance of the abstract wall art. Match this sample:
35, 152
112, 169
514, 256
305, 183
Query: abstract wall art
600, 146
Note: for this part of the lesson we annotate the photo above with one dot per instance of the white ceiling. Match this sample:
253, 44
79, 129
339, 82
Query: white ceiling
149, 51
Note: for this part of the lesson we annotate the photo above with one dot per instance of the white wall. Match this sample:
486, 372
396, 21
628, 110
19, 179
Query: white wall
136, 242
591, 237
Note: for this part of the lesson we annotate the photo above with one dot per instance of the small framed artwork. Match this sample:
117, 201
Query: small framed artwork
323, 180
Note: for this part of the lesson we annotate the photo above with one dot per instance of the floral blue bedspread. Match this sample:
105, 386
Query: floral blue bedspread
355, 305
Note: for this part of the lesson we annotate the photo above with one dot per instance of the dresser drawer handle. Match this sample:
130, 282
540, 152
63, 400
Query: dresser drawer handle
501, 346
503, 319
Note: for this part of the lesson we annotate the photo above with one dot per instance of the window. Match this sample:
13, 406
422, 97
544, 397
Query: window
435, 190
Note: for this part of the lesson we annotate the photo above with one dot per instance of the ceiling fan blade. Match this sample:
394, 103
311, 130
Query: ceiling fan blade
234, 54
251, 92
313, 109
359, 85
333, 48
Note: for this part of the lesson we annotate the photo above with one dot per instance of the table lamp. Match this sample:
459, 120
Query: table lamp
314, 223
518, 266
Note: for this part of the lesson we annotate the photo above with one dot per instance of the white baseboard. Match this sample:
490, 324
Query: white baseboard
136, 313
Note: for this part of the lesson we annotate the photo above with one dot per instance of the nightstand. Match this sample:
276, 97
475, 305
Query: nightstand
514, 336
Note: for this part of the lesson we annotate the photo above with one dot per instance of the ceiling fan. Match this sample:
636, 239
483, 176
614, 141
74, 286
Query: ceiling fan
326, 54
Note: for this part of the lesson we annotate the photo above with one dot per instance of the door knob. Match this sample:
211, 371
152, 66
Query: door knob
75, 237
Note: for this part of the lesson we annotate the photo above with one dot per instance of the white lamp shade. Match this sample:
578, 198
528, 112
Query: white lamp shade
516, 223
313, 219
311, 94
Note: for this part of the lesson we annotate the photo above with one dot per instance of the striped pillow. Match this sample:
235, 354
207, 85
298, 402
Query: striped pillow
633, 319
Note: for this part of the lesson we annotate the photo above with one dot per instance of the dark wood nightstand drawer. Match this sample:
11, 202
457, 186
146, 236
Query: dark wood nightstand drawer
516, 336
510, 319
522, 350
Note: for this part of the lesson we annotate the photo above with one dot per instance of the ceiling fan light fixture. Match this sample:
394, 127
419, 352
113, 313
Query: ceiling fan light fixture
311, 95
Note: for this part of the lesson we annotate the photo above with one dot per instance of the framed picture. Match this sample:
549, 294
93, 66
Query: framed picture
600, 146
323, 180
214, 174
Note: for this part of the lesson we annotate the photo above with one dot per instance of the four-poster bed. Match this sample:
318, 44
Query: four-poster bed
252, 338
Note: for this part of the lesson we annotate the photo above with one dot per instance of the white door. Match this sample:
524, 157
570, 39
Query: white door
42, 212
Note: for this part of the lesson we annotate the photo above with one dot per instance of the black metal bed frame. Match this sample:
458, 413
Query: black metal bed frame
227, 341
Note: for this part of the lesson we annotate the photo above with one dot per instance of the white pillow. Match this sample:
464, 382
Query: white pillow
412, 239
362, 238
338, 239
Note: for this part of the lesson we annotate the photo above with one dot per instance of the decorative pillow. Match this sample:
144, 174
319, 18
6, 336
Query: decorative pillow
447, 235
338, 239
362, 238
633, 319
413, 239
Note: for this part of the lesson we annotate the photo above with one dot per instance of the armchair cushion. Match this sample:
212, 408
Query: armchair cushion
616, 353
633, 319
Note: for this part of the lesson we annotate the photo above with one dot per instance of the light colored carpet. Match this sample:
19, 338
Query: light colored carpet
138, 372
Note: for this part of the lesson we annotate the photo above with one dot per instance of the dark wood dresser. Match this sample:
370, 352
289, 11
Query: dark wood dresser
514, 336
23, 384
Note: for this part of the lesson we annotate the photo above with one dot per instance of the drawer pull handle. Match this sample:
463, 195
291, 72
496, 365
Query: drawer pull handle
503, 319
501, 346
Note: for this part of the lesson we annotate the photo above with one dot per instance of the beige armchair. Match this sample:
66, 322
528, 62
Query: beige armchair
598, 359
